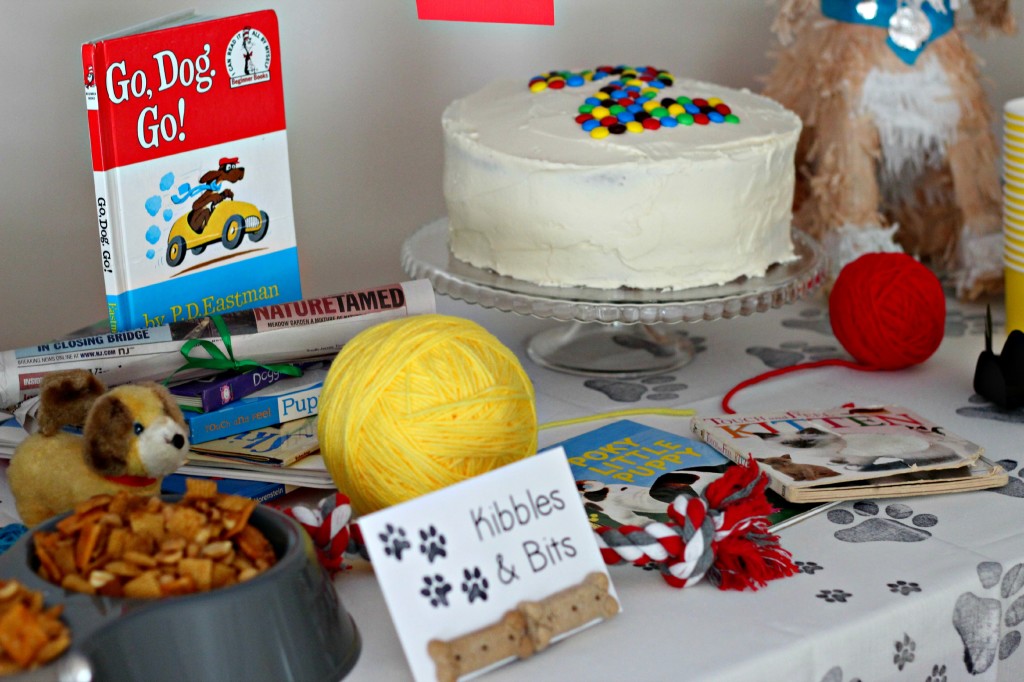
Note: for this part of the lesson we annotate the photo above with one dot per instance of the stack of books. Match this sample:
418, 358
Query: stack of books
256, 426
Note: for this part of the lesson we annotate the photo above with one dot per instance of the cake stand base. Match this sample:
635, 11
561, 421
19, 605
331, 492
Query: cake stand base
614, 349
611, 332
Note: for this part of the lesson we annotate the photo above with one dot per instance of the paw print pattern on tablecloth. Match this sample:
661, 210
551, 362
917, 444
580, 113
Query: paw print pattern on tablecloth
835, 674
811, 319
904, 587
904, 651
475, 584
660, 348
874, 529
980, 621
791, 353
938, 674
834, 596
808, 567
660, 387
1015, 486
982, 409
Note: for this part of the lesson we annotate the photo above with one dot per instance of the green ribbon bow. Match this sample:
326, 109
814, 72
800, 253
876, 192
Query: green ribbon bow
219, 361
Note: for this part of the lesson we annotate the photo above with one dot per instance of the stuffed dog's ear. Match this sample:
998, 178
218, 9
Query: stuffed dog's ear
65, 398
992, 14
108, 433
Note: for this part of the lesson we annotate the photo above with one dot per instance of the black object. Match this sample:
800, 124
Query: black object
1000, 378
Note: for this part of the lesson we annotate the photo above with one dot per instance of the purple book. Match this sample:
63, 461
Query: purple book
211, 393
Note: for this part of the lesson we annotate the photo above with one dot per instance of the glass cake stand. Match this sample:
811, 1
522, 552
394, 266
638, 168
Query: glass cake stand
611, 332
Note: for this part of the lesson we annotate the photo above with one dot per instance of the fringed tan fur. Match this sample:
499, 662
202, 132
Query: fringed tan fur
820, 70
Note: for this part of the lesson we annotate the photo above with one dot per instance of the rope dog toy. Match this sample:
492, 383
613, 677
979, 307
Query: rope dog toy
721, 534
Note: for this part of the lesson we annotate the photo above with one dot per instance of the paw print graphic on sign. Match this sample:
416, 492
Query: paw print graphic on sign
474, 584
394, 541
435, 589
432, 544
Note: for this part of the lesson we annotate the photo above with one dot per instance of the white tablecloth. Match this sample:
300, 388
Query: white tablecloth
930, 588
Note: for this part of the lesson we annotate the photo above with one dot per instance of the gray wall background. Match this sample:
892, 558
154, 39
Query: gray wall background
365, 85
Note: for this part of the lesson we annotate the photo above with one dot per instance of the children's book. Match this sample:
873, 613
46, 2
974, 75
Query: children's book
308, 472
190, 166
285, 401
852, 453
628, 473
278, 445
210, 393
261, 491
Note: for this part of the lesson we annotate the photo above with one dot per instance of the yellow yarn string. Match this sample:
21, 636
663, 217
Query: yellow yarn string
660, 411
416, 404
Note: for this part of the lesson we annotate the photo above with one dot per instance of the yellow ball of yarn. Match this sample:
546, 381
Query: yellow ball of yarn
415, 404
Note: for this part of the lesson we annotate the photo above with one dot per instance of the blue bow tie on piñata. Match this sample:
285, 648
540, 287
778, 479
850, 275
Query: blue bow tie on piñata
911, 24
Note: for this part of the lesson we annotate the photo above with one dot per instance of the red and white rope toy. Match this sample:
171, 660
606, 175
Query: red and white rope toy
330, 527
721, 535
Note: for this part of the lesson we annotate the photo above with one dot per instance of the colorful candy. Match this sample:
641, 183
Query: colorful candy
629, 102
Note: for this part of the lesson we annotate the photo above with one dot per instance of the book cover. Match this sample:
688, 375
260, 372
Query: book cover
210, 393
287, 400
261, 491
851, 452
628, 473
190, 166
278, 445
308, 472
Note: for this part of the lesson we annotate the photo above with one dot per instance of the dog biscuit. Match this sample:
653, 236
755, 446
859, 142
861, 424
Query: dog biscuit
481, 648
568, 609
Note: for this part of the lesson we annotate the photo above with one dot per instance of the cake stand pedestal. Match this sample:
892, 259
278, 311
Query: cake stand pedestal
611, 332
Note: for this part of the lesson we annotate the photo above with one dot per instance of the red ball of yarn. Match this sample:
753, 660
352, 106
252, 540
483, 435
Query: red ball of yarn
887, 310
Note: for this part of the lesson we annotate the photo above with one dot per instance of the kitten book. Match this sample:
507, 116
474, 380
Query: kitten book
852, 453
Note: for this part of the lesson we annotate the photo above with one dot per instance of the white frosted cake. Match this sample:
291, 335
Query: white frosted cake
619, 177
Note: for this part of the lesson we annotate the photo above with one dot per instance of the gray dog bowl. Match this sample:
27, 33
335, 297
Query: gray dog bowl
285, 624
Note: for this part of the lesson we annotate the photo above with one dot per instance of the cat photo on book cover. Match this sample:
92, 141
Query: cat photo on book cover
861, 451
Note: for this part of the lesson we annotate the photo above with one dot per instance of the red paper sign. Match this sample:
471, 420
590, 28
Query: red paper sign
496, 11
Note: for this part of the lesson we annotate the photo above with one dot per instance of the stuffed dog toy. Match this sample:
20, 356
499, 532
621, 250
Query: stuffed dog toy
132, 436
897, 151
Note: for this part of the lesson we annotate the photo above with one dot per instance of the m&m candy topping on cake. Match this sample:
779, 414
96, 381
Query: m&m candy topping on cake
630, 101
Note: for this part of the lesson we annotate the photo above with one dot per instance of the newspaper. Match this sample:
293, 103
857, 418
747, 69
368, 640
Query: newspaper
286, 332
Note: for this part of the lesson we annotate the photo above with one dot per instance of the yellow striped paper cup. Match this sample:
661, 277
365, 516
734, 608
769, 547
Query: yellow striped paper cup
1013, 248
1014, 283
1013, 212
1013, 110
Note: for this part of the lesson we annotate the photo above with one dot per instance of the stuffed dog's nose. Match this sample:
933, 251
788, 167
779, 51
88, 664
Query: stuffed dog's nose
178, 441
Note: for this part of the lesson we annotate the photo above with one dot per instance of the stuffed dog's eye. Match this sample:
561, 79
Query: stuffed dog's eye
139, 428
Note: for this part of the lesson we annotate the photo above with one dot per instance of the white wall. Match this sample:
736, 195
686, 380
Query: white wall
365, 85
